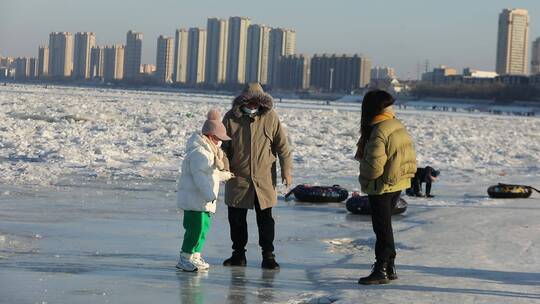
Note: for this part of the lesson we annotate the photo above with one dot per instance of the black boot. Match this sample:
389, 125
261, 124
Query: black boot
391, 270
378, 275
269, 261
238, 258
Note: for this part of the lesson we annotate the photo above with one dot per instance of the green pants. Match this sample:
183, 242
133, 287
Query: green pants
196, 224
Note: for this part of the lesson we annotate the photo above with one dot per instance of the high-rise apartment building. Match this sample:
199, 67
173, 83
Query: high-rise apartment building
97, 62
294, 72
282, 43
84, 42
113, 68
6, 62
43, 61
216, 50
22, 67
513, 42
26, 68
33, 68
258, 47
60, 54
165, 59
382, 73
237, 47
132, 55
196, 55
535, 57
180, 56
339, 73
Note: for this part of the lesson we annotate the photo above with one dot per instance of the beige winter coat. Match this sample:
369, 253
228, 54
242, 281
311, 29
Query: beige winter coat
256, 142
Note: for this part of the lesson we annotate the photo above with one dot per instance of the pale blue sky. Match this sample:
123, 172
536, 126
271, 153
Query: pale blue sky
397, 33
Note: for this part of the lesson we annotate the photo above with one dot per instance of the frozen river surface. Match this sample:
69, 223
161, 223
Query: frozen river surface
88, 214
112, 244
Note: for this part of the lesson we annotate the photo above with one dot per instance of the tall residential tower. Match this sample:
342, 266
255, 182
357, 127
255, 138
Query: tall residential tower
180, 56
97, 62
84, 42
282, 43
165, 59
237, 47
257, 53
43, 61
535, 57
216, 50
60, 54
513, 42
132, 55
196, 55
113, 59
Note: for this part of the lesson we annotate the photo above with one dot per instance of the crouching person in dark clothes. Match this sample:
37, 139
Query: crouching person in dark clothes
387, 164
423, 175
257, 138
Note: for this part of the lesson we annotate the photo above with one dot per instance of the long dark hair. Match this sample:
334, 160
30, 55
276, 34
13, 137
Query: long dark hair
373, 104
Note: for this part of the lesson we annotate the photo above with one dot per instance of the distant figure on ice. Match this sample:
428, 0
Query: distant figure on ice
203, 168
258, 139
387, 163
423, 175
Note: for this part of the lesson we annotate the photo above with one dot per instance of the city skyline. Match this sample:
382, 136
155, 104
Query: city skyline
183, 59
359, 31
252, 49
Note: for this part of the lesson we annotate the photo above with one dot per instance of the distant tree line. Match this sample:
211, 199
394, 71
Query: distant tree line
495, 91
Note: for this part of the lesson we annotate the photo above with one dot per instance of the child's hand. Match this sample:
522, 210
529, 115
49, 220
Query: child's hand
223, 175
226, 175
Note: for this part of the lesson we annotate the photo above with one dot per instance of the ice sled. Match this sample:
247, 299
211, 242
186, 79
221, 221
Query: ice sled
359, 204
319, 194
510, 191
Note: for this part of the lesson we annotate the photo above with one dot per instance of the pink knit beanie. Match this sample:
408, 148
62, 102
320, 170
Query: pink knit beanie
214, 126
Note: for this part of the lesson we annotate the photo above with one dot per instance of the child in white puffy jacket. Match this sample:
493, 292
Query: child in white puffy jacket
203, 168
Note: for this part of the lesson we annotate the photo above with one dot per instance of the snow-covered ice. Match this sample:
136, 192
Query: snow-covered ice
50, 134
87, 206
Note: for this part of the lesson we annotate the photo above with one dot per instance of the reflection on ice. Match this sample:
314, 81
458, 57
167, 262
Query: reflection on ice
106, 243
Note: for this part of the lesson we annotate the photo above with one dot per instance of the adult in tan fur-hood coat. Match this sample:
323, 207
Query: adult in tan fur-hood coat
258, 140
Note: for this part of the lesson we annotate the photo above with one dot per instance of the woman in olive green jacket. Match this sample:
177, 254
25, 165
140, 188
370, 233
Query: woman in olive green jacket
387, 164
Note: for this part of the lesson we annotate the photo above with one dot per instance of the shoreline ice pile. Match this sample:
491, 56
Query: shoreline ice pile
48, 134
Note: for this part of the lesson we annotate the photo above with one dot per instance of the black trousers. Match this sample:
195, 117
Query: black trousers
239, 230
416, 185
381, 217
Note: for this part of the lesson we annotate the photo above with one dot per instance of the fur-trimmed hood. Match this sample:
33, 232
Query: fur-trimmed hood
253, 92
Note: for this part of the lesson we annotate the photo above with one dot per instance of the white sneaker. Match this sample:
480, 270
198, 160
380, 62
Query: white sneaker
198, 261
186, 262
